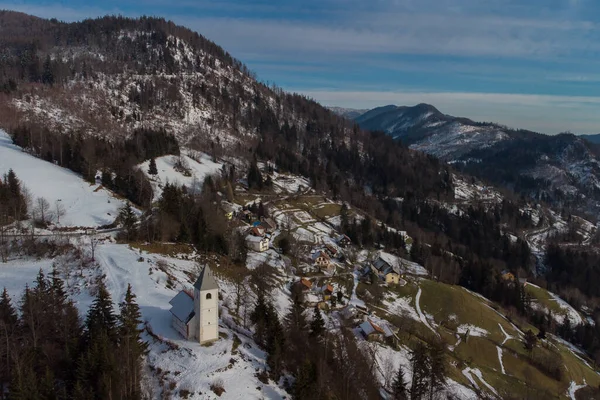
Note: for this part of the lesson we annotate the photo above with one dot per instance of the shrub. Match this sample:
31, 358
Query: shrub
217, 386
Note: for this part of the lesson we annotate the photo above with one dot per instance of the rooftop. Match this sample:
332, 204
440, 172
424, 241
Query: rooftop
206, 280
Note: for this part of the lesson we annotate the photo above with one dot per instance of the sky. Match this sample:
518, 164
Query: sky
532, 64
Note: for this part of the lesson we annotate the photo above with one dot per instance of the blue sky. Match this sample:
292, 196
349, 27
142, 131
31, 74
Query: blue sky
529, 63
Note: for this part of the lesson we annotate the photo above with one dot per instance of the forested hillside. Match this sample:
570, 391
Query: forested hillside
562, 170
129, 104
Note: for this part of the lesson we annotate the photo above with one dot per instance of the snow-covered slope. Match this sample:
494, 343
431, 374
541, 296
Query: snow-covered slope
186, 365
427, 129
85, 204
181, 171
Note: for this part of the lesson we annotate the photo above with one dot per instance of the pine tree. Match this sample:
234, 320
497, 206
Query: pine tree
275, 345
530, 340
101, 320
132, 346
317, 326
305, 385
258, 317
128, 219
420, 367
8, 327
399, 386
255, 180
47, 74
437, 369
344, 217
152, 170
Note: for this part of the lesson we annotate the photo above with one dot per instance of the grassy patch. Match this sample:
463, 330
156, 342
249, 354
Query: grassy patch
166, 249
544, 298
442, 301
327, 210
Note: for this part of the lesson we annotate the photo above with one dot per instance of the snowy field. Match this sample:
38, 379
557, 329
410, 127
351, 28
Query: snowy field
85, 204
169, 173
187, 365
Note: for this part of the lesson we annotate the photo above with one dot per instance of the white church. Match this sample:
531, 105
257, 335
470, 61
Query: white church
196, 316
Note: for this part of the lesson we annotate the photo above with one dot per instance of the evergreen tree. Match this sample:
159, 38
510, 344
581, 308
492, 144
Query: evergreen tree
420, 367
255, 180
259, 318
8, 327
530, 340
128, 219
132, 346
399, 386
101, 320
275, 344
47, 74
317, 326
305, 385
344, 217
152, 170
437, 368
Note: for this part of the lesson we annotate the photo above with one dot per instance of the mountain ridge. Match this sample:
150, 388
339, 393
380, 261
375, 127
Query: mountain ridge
562, 169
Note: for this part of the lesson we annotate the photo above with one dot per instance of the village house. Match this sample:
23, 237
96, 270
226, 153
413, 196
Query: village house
258, 230
371, 331
196, 316
268, 225
323, 262
321, 259
327, 291
343, 240
331, 250
508, 276
246, 215
385, 271
376, 330
305, 284
257, 243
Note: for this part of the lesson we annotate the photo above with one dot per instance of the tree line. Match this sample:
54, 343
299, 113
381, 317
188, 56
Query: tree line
47, 351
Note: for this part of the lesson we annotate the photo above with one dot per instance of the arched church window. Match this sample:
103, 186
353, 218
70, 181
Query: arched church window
208, 296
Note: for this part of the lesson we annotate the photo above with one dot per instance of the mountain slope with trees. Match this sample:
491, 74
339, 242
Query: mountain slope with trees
563, 170
157, 89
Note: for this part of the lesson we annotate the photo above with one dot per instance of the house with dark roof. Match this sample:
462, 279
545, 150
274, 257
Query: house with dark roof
385, 271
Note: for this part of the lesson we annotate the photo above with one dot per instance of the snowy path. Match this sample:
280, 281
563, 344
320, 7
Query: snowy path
354, 299
469, 373
505, 334
574, 388
421, 315
500, 359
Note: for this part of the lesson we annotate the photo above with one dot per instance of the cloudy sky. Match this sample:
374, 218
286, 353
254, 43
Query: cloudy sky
524, 63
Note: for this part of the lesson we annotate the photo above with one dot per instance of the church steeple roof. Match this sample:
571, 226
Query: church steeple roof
206, 280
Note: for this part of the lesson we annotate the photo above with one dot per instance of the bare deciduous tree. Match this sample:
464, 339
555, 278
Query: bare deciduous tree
93, 244
59, 210
42, 208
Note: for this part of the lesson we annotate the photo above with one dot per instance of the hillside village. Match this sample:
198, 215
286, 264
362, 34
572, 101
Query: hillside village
266, 248
293, 241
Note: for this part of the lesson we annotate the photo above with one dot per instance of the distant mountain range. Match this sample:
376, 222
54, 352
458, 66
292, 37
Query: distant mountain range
562, 169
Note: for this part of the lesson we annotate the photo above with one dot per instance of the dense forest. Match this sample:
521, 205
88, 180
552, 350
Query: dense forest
47, 352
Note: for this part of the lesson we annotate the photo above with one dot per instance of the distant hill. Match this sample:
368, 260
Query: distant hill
562, 169
348, 113
591, 138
